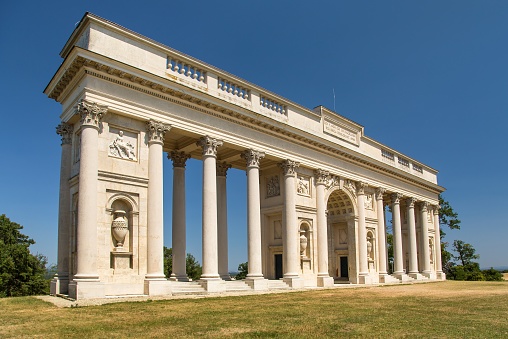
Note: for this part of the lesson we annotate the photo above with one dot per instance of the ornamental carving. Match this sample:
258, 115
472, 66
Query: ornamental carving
222, 168
321, 176
156, 131
90, 114
424, 206
379, 193
360, 187
410, 202
252, 157
396, 198
303, 185
209, 145
436, 209
369, 202
179, 158
272, 186
65, 131
122, 148
350, 186
289, 167
332, 181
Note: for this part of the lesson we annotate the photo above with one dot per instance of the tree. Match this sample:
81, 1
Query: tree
21, 272
243, 269
466, 252
492, 275
466, 269
193, 267
447, 217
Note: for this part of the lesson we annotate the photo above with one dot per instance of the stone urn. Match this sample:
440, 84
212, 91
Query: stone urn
303, 244
119, 228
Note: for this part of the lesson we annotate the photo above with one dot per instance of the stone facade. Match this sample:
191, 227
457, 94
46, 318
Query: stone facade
317, 186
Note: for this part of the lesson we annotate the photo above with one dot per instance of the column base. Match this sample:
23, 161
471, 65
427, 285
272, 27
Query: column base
415, 275
440, 276
154, 287
82, 289
430, 275
364, 279
179, 278
324, 281
294, 282
225, 277
402, 277
59, 285
257, 284
213, 285
387, 279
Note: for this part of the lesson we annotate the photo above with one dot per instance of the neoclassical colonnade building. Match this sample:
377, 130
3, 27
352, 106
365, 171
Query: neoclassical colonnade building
317, 186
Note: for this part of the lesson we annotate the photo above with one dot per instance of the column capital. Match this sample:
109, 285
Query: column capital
360, 187
289, 167
178, 158
252, 157
321, 176
90, 113
379, 193
410, 202
156, 131
396, 198
209, 145
424, 206
65, 131
222, 168
436, 209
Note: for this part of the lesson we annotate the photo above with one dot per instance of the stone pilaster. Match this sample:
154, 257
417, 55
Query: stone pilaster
411, 234
323, 278
426, 271
60, 283
179, 225
290, 242
222, 220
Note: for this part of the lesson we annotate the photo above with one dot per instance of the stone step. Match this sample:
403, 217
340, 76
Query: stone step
278, 285
237, 286
187, 288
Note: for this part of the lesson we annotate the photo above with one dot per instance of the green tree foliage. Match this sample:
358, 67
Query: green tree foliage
492, 275
21, 273
447, 216
193, 267
243, 269
465, 252
466, 268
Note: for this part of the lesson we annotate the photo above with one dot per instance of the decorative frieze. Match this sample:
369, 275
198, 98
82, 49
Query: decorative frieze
222, 168
289, 167
252, 157
90, 113
156, 131
321, 176
303, 186
122, 148
65, 131
272, 186
179, 158
209, 145
369, 202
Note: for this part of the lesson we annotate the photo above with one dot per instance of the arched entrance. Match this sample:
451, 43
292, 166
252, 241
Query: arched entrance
341, 213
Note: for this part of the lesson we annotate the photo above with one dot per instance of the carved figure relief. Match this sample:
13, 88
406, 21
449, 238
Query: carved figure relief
303, 185
350, 186
272, 186
370, 247
122, 148
277, 229
369, 202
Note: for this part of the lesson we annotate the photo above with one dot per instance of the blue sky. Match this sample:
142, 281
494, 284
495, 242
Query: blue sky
429, 79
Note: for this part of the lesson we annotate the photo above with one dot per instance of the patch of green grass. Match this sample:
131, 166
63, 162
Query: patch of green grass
448, 309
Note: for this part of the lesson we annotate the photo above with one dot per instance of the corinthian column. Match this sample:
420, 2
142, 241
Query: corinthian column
411, 234
90, 118
437, 241
362, 234
210, 253
155, 240
398, 270
290, 244
222, 220
60, 284
252, 159
381, 234
179, 227
425, 240
323, 278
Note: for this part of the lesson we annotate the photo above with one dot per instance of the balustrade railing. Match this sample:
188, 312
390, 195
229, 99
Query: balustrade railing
186, 69
230, 87
273, 105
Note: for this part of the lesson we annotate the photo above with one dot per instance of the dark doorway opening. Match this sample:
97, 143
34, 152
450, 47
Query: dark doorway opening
344, 267
278, 266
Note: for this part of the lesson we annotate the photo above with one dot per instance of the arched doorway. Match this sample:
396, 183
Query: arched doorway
341, 214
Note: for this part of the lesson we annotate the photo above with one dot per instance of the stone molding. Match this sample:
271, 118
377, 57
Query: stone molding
289, 167
252, 157
209, 145
156, 131
321, 176
90, 113
179, 158
396, 198
65, 131
222, 168
380, 191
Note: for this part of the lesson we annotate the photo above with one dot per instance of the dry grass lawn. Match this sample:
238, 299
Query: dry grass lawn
439, 310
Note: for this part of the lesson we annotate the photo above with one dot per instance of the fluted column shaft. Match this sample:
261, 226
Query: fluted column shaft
362, 231
437, 241
425, 238
253, 213
381, 230
291, 251
397, 235
155, 220
179, 225
64, 206
210, 252
322, 227
413, 258
222, 220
